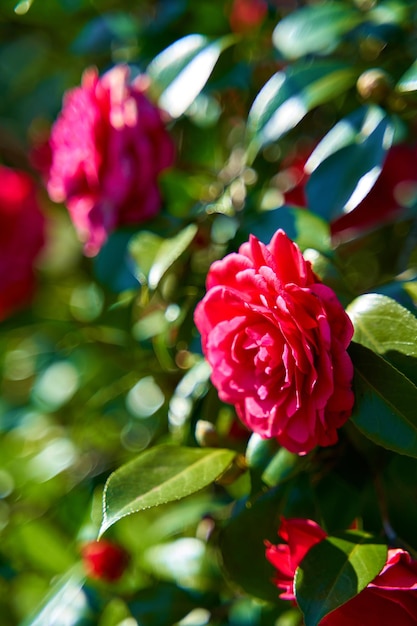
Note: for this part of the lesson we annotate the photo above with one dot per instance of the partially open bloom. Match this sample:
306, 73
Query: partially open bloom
107, 148
395, 190
391, 598
276, 340
104, 560
21, 239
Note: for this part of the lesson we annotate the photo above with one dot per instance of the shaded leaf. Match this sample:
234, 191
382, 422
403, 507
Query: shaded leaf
385, 402
180, 71
315, 29
304, 227
351, 157
161, 474
242, 546
347, 563
113, 265
288, 96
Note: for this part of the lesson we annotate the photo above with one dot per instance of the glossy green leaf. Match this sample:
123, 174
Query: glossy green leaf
288, 96
315, 29
347, 162
383, 325
385, 402
168, 252
180, 71
389, 329
347, 563
159, 475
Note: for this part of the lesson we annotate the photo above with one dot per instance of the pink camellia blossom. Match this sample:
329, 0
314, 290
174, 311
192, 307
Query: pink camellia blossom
276, 340
391, 598
21, 239
107, 148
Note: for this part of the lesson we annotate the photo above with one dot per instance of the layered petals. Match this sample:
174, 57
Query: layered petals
276, 340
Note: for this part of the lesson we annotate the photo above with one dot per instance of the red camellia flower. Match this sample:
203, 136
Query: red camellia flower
104, 560
21, 239
247, 14
394, 190
107, 148
391, 598
276, 340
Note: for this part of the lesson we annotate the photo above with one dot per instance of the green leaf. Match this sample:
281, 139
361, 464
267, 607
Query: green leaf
242, 544
385, 402
408, 81
68, 597
302, 226
168, 252
387, 328
383, 325
180, 71
347, 162
315, 29
159, 475
113, 266
288, 96
347, 563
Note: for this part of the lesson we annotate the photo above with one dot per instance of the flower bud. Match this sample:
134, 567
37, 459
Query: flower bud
374, 85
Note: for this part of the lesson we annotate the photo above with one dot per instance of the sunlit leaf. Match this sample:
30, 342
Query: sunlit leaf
408, 81
161, 474
383, 325
181, 70
315, 29
347, 162
169, 251
386, 327
288, 96
68, 603
334, 571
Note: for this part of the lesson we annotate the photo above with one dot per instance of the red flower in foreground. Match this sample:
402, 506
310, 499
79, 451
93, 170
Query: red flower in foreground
391, 598
21, 239
104, 560
247, 14
393, 191
276, 340
107, 148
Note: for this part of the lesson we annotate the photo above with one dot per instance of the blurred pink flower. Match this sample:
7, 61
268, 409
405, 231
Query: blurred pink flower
276, 340
391, 598
107, 148
21, 239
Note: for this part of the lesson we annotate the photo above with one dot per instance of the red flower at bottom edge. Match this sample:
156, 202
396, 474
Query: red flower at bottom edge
391, 598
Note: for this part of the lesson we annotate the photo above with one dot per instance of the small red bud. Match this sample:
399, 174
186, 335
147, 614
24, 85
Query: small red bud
104, 560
